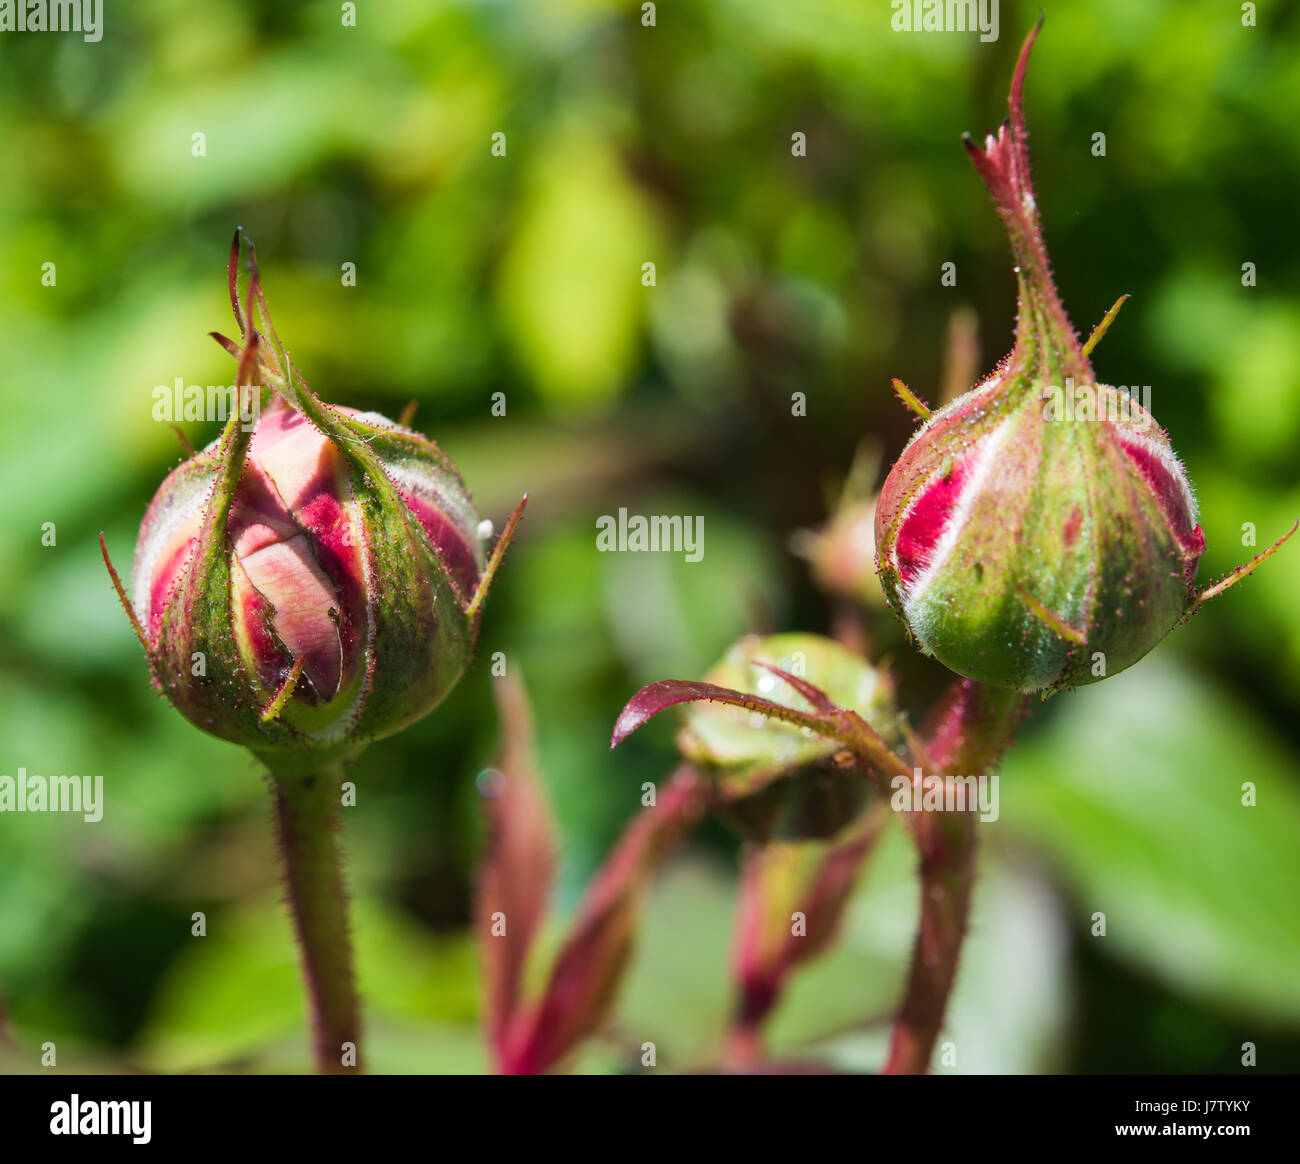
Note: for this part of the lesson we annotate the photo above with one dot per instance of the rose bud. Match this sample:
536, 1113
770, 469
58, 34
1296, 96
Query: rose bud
1039, 531
314, 580
842, 553
774, 779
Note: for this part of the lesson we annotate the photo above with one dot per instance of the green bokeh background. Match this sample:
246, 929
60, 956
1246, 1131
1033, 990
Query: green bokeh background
521, 274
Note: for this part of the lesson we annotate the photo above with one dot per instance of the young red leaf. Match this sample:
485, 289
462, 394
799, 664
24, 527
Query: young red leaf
519, 865
837, 723
812, 878
665, 693
586, 974
815, 696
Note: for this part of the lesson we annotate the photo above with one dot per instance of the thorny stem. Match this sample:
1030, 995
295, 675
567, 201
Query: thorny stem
947, 846
973, 728
306, 821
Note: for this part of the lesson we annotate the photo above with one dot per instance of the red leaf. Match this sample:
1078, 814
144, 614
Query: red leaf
834, 722
815, 696
586, 974
518, 868
813, 878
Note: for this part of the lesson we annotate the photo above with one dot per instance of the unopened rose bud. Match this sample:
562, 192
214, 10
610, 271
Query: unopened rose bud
1039, 531
842, 553
314, 583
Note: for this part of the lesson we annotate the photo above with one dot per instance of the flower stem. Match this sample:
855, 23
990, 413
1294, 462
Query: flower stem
947, 843
306, 820
972, 727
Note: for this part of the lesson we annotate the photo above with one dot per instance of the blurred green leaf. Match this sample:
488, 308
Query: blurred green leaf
571, 284
239, 987
1134, 791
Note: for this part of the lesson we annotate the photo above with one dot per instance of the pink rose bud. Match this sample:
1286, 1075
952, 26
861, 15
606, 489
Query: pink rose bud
311, 581
1039, 531
842, 553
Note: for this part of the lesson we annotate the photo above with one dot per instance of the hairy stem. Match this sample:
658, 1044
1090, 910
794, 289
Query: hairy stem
306, 821
947, 843
972, 727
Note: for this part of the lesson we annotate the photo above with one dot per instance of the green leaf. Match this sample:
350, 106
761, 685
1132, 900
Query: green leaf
571, 286
238, 991
1135, 791
1009, 1012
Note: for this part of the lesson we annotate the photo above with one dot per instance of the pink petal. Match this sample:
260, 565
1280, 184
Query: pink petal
306, 607
926, 520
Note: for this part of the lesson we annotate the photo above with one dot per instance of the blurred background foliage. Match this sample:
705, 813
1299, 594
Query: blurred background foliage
521, 274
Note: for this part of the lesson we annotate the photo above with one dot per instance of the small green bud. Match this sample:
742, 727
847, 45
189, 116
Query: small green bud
772, 778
